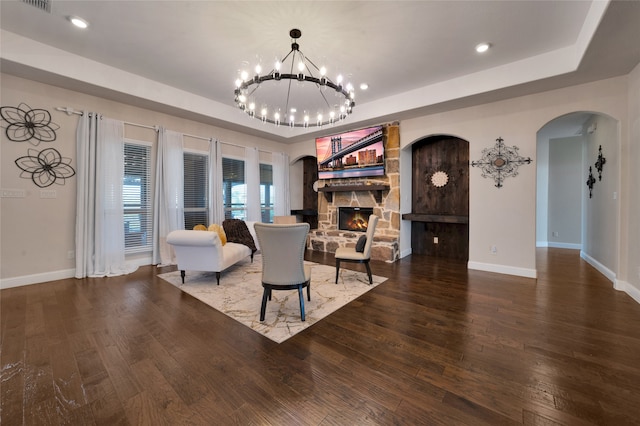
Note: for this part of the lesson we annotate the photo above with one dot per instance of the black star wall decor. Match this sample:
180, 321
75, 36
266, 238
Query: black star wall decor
500, 162
590, 181
600, 163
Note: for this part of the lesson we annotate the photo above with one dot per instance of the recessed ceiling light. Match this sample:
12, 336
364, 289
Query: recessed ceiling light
78, 22
482, 47
364, 86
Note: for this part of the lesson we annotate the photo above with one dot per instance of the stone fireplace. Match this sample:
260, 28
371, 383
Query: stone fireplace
354, 218
362, 197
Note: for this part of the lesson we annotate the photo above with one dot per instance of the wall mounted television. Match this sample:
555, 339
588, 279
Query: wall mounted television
356, 153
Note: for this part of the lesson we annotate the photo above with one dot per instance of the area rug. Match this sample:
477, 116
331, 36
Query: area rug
239, 296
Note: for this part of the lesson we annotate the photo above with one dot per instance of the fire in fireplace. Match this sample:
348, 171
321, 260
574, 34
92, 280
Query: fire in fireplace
354, 218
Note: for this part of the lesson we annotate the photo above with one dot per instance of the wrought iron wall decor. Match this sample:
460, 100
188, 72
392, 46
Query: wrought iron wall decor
600, 163
45, 167
590, 181
500, 162
28, 124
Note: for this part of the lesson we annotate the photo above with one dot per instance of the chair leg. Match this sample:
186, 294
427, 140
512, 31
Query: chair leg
337, 269
300, 295
366, 263
309, 291
218, 277
263, 307
182, 275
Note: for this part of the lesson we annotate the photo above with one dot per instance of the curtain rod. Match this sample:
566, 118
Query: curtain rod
70, 111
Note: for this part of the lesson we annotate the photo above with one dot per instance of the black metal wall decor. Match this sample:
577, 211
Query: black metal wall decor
28, 124
600, 163
500, 162
590, 181
45, 167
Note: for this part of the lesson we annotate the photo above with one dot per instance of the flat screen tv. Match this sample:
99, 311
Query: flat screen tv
356, 153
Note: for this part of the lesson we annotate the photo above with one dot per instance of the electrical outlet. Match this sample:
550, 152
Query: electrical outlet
435, 240
71, 254
48, 193
493, 250
554, 233
12, 193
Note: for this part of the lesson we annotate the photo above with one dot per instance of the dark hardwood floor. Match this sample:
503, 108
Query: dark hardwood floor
435, 344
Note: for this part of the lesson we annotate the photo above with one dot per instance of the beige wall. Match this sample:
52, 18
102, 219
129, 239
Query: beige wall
37, 233
506, 217
630, 193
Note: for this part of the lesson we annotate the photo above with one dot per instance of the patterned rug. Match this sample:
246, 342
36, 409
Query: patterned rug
239, 296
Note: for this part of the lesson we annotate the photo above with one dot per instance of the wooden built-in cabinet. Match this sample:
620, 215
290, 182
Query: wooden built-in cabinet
440, 215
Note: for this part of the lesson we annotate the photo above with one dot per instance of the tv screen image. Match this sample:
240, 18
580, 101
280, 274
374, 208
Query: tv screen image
356, 153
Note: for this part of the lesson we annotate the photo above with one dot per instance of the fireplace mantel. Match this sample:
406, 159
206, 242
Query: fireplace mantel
375, 189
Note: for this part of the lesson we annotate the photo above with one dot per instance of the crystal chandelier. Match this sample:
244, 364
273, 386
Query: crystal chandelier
304, 100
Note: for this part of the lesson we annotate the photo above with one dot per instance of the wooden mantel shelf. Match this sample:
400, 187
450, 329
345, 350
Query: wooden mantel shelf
376, 189
435, 218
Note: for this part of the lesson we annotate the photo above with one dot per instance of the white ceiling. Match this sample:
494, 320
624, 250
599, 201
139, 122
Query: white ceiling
182, 57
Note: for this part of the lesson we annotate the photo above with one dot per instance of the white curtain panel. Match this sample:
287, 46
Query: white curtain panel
252, 182
216, 201
99, 207
282, 202
169, 194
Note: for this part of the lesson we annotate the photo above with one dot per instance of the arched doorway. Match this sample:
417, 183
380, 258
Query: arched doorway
569, 214
440, 197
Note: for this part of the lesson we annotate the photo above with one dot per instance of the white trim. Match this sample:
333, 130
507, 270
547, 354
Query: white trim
503, 269
628, 288
37, 278
572, 246
542, 244
611, 276
405, 253
57, 275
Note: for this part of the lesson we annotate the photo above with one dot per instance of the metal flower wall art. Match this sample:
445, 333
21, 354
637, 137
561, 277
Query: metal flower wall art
45, 168
28, 124
500, 162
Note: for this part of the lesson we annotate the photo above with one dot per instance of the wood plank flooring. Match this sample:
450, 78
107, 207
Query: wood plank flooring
436, 344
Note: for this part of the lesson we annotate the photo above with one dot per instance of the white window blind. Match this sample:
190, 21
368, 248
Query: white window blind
196, 190
266, 192
136, 197
234, 190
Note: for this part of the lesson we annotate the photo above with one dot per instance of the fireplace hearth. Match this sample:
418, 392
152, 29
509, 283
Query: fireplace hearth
354, 218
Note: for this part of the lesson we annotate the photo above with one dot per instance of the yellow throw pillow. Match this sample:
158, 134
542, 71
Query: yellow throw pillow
220, 230
199, 228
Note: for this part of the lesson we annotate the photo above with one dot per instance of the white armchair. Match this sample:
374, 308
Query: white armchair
203, 251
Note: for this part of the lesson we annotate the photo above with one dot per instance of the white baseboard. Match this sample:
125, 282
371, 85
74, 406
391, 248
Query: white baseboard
405, 253
565, 246
56, 275
611, 276
573, 246
502, 269
628, 288
37, 278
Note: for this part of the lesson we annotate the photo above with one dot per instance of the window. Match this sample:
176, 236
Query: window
196, 189
136, 197
234, 190
266, 192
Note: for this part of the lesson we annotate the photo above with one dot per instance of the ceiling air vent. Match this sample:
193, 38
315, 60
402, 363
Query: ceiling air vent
40, 4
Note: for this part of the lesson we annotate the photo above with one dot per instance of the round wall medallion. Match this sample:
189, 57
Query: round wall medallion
439, 179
